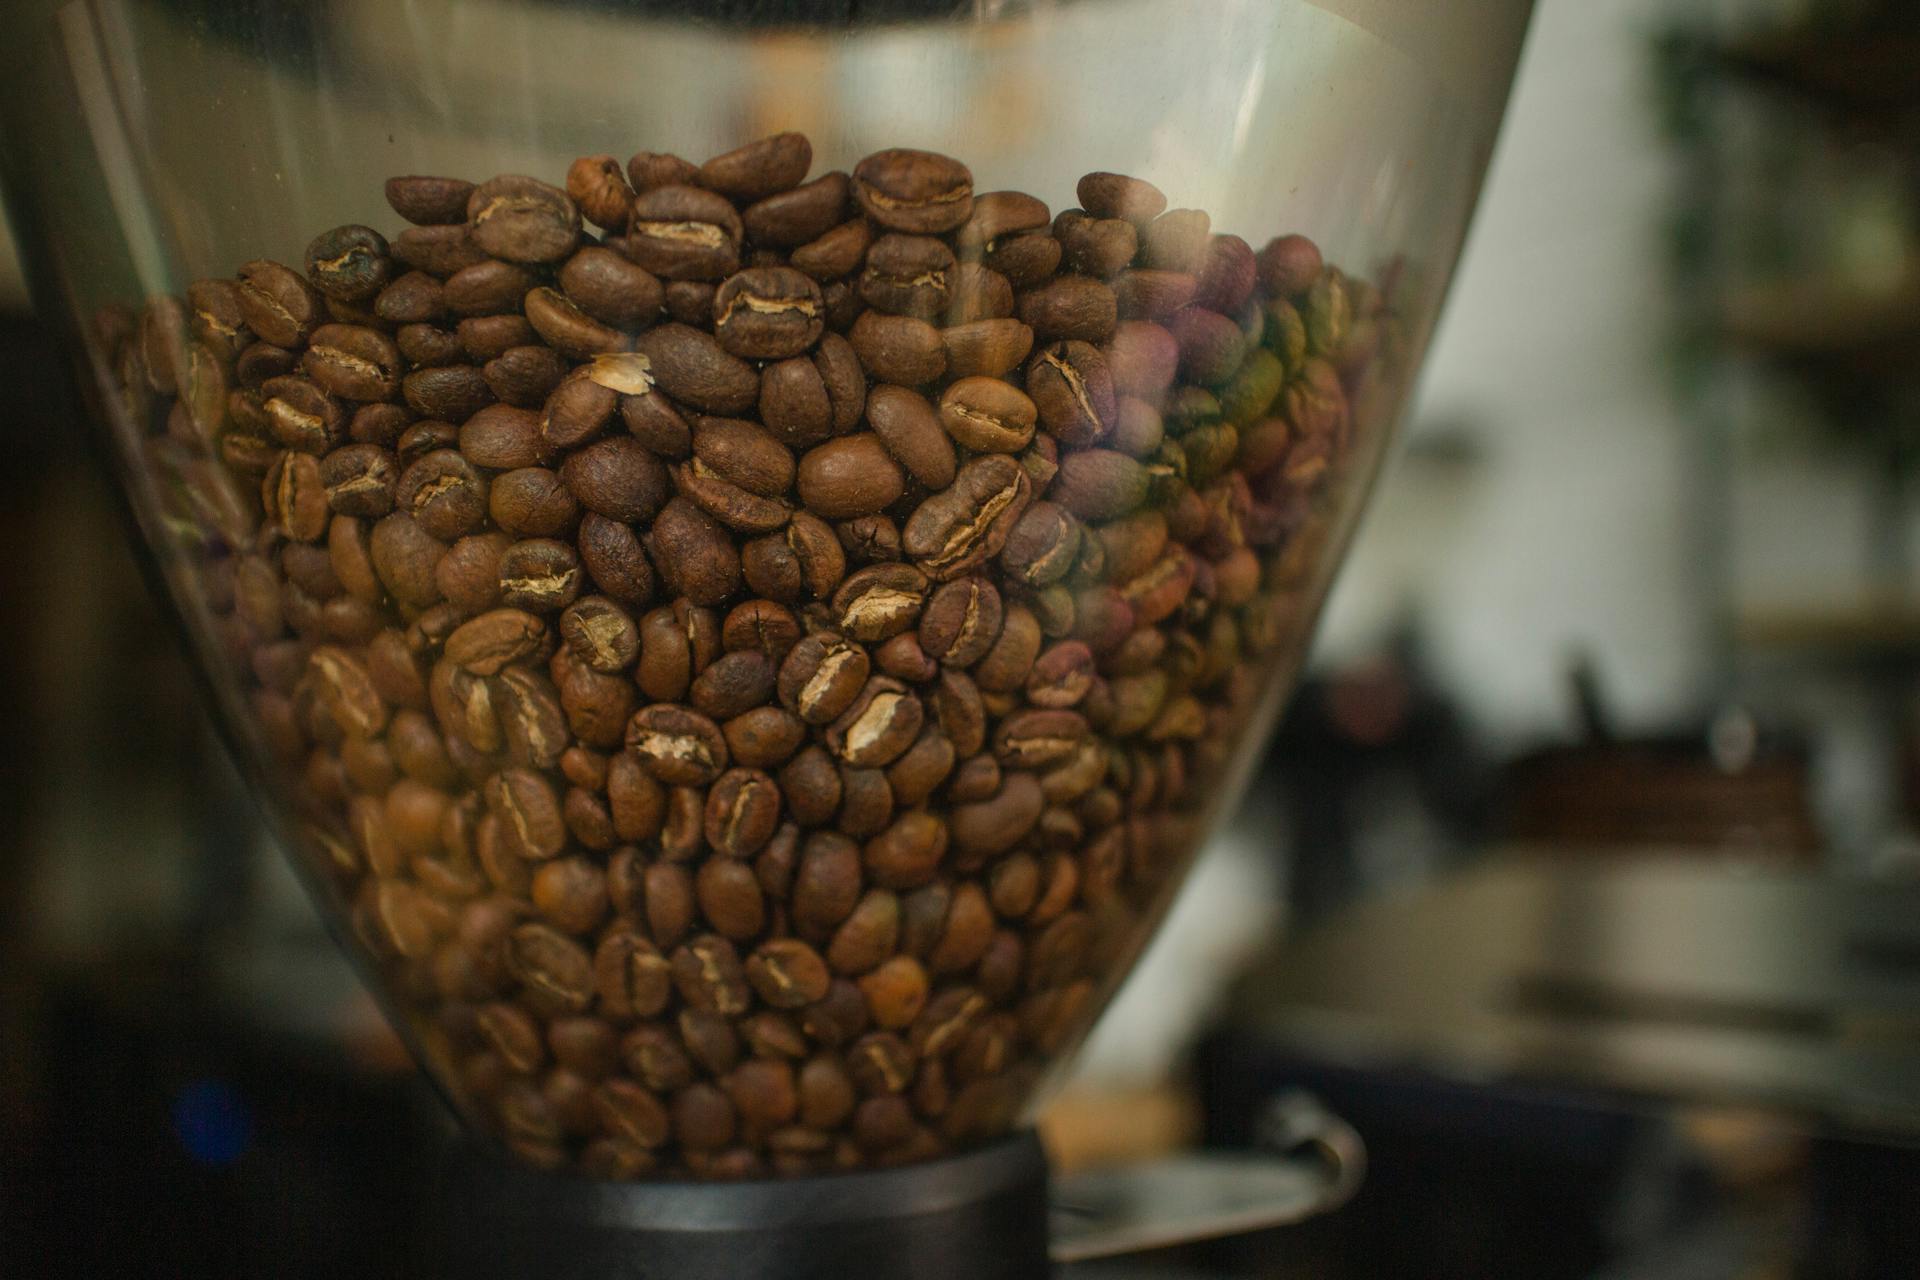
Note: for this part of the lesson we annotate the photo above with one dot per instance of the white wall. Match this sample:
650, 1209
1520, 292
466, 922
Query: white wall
1572, 531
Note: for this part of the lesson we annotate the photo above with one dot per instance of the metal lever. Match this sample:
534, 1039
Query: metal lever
1309, 1162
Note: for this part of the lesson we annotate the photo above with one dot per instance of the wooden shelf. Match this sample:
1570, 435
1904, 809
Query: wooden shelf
1865, 628
1867, 74
1820, 320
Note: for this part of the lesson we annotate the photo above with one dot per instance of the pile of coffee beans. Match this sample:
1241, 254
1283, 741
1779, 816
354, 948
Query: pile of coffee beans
750, 654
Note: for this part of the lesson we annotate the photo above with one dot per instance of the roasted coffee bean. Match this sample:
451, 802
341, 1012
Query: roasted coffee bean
277, 304
532, 502
768, 313
881, 723
986, 347
835, 253
915, 191
967, 523
821, 677
611, 289
987, 415
793, 217
726, 888
349, 264
907, 275
566, 328
695, 554
898, 349
851, 476
523, 220
1098, 247
617, 478
880, 601
764, 737
450, 394
709, 976
612, 556
961, 621
524, 376
429, 201
1073, 307
539, 574
693, 368
597, 185
907, 425
684, 233
677, 745
760, 168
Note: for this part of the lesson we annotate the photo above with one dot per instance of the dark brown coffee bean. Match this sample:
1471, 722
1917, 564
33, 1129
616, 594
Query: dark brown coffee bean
1024, 259
898, 349
437, 250
571, 893
691, 367
984, 828
404, 554
794, 217
488, 288
733, 684
1038, 738
902, 658
867, 936
967, 523
907, 275
907, 854
353, 362
429, 201
611, 289
1100, 484
450, 394
1072, 391
524, 376
532, 502
502, 438
812, 786
765, 737
703, 1118
637, 803
759, 169
617, 478
523, 220
684, 233
359, 480
866, 802
414, 298
567, 329
539, 574
349, 264
648, 170
601, 634
850, 476
427, 347
821, 677
278, 304
302, 416
1043, 547
598, 188
494, 640
555, 970
991, 348
961, 621
709, 976
907, 425
677, 745
881, 724
1113, 195
880, 601
762, 626
767, 313
1097, 247
729, 893
987, 415
694, 553
423, 438
914, 191
612, 556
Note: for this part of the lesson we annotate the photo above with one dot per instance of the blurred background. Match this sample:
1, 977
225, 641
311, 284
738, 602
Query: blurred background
1584, 873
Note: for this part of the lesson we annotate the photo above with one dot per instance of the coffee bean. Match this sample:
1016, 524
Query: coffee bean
523, 220
961, 621
708, 974
915, 191
539, 574
684, 233
1098, 247
907, 275
821, 676
566, 328
691, 367
695, 555
790, 218
349, 264
726, 888
677, 745
881, 723
967, 523
277, 304
835, 253
768, 313
849, 476
898, 349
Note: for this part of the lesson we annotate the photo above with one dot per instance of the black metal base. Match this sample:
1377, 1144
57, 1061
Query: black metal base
977, 1216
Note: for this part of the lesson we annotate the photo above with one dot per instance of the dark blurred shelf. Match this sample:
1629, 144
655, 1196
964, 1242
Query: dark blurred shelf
1877, 629
1874, 75
1819, 319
